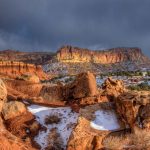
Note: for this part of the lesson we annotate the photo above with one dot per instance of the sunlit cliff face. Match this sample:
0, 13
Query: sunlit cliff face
75, 55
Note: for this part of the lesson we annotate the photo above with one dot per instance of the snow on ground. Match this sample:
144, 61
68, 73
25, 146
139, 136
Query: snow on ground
99, 81
105, 120
68, 117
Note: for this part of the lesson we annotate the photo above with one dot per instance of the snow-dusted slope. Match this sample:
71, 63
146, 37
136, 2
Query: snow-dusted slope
105, 120
64, 127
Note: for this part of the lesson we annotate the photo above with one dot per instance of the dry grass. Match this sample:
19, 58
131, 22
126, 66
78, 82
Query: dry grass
114, 143
52, 119
140, 140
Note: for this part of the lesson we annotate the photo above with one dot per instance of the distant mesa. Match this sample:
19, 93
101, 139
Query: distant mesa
70, 54
109, 56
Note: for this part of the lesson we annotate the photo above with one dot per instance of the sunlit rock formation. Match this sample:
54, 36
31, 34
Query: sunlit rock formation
115, 55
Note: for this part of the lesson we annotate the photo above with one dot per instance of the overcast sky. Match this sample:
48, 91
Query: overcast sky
46, 25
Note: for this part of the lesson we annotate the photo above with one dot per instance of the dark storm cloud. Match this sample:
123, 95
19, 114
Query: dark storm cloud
95, 24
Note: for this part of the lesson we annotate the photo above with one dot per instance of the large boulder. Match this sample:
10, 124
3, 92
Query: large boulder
3, 94
83, 86
13, 109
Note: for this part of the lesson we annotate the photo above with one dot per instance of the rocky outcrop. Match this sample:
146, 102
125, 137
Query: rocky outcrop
84, 137
84, 86
110, 56
8, 141
23, 87
133, 107
113, 88
3, 94
15, 69
13, 109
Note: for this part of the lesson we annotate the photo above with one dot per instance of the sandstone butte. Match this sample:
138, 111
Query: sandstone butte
14, 69
71, 54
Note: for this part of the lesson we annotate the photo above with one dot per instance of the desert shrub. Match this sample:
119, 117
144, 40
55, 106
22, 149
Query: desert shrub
142, 86
68, 80
54, 140
52, 119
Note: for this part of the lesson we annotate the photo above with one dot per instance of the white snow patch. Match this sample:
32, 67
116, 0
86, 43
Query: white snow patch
105, 120
68, 117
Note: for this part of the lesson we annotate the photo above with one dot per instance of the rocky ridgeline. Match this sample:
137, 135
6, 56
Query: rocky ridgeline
38, 58
14, 69
110, 56
76, 54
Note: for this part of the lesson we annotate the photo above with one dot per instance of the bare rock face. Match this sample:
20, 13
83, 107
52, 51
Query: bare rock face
133, 108
52, 93
3, 94
75, 54
14, 69
113, 88
13, 109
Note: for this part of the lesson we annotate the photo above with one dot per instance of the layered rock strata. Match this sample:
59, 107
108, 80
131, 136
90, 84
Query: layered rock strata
15, 69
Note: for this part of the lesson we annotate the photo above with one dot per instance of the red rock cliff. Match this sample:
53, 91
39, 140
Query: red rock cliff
115, 55
14, 69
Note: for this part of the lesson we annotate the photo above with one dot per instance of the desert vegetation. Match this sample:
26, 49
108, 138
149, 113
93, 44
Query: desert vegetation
52, 119
54, 140
140, 140
140, 87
